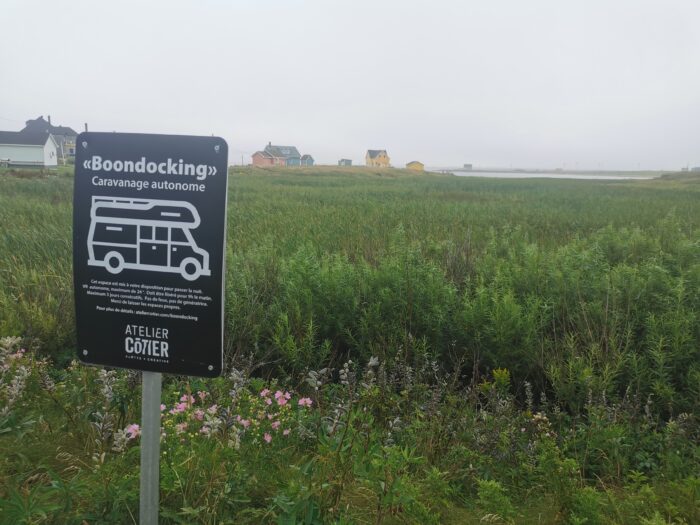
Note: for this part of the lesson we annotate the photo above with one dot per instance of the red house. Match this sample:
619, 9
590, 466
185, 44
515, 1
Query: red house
278, 156
262, 158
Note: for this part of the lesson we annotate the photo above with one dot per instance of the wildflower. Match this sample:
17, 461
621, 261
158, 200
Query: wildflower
133, 431
199, 414
179, 408
267, 437
286, 431
305, 402
281, 401
264, 392
278, 394
201, 395
180, 428
162, 407
275, 425
120, 441
268, 401
186, 398
212, 409
245, 423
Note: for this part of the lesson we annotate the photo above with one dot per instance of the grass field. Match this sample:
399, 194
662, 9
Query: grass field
519, 351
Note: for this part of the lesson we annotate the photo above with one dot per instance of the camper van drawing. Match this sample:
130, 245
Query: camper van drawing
145, 234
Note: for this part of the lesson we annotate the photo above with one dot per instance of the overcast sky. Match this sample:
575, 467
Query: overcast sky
537, 83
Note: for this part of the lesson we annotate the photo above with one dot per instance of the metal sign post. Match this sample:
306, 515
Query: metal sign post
150, 448
149, 245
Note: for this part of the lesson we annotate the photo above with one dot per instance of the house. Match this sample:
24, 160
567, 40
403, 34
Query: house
22, 148
262, 158
345, 162
63, 135
377, 158
415, 166
307, 160
279, 156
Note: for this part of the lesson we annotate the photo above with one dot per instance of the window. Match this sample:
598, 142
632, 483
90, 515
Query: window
178, 235
146, 233
161, 234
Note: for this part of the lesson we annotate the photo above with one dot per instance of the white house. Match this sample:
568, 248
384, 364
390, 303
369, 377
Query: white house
21, 148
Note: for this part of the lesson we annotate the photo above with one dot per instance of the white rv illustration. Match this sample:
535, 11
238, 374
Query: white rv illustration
145, 234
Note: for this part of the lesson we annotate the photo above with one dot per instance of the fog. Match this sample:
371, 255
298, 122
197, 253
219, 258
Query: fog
585, 84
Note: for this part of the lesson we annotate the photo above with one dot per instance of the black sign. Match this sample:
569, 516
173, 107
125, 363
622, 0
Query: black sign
149, 223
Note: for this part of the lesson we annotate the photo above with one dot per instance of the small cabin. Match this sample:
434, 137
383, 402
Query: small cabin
307, 160
345, 162
377, 158
20, 148
415, 166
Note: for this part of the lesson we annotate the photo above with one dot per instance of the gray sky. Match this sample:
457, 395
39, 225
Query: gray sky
537, 83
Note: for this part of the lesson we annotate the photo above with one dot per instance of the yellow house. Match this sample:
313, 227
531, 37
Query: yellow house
377, 158
415, 166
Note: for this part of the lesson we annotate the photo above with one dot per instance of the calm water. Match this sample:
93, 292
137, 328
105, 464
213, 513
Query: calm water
578, 176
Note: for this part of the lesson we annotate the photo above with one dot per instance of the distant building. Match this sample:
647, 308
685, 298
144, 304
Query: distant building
280, 156
467, 166
307, 160
345, 162
415, 166
23, 148
377, 158
262, 158
64, 136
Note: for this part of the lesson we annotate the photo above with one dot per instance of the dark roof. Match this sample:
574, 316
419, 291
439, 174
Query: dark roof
24, 138
41, 124
306, 156
284, 152
375, 152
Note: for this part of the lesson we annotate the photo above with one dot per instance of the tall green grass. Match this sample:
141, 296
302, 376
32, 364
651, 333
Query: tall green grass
484, 341
575, 286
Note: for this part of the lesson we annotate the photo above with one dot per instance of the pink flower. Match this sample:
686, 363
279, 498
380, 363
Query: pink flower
180, 428
268, 401
281, 401
162, 407
267, 437
245, 423
212, 409
179, 408
201, 395
264, 392
305, 402
270, 416
278, 394
287, 396
187, 399
199, 414
275, 425
133, 431
286, 431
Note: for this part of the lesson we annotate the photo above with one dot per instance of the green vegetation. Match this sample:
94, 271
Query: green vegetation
467, 350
